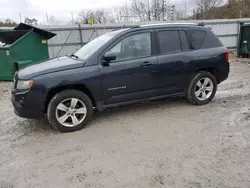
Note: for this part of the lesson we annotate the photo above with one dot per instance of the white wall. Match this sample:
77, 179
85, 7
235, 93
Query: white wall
74, 36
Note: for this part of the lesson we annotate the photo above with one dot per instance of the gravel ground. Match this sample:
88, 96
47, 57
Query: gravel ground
160, 144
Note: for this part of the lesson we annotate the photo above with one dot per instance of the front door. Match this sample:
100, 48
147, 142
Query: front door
133, 74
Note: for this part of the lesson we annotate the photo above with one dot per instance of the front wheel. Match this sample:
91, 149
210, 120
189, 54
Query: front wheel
202, 88
69, 110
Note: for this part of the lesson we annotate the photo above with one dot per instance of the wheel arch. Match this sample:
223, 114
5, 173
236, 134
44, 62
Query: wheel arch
214, 71
190, 90
52, 92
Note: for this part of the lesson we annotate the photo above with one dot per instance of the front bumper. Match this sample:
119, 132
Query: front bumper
25, 108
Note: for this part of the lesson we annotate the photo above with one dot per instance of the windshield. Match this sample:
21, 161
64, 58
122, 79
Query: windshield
95, 44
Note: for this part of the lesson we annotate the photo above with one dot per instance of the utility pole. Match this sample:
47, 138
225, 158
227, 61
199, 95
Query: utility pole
172, 13
163, 9
149, 16
155, 8
47, 17
186, 9
126, 16
72, 17
167, 9
20, 17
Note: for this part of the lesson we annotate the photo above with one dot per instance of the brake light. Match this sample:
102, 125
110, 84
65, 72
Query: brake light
227, 54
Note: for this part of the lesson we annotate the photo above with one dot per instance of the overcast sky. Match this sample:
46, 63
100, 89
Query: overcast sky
61, 9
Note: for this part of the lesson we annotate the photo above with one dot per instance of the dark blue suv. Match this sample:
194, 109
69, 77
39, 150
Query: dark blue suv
122, 67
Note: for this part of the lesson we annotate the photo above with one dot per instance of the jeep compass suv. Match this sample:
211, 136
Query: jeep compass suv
122, 67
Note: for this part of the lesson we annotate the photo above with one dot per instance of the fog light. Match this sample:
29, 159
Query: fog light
21, 102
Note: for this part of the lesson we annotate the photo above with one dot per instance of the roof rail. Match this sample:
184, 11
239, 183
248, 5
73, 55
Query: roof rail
162, 24
169, 24
201, 24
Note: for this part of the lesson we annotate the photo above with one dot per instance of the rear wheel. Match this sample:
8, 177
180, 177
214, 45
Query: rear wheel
202, 88
69, 110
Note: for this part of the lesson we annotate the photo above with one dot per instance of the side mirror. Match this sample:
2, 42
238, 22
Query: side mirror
109, 57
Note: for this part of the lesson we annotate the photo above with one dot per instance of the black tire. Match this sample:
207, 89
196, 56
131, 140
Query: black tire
58, 98
190, 91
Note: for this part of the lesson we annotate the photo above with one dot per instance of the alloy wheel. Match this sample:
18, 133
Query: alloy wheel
204, 88
71, 112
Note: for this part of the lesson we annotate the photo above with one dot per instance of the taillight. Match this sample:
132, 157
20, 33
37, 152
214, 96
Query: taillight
227, 54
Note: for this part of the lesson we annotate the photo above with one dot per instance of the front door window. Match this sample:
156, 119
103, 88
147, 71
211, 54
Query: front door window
133, 47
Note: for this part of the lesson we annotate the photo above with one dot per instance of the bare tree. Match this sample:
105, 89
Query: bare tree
244, 8
84, 15
31, 21
121, 15
204, 6
117, 16
180, 15
232, 9
8, 22
148, 10
98, 16
157, 9
53, 20
141, 9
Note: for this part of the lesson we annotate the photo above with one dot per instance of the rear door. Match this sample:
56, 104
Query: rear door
173, 59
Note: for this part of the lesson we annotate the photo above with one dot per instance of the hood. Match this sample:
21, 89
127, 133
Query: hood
49, 66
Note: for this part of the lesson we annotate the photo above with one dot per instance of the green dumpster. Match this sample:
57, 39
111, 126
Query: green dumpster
243, 49
20, 47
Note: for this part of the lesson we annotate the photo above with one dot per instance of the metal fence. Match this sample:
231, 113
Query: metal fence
70, 38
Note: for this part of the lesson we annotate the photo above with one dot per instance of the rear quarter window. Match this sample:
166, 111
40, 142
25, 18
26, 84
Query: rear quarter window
211, 41
197, 38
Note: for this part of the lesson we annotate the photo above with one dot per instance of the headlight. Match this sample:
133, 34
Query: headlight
22, 85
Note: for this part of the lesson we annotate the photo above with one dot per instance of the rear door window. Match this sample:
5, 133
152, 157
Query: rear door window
169, 42
197, 38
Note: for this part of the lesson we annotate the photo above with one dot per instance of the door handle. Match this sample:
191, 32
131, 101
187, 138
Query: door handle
145, 64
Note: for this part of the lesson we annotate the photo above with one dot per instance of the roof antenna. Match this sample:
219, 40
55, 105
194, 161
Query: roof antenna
201, 24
